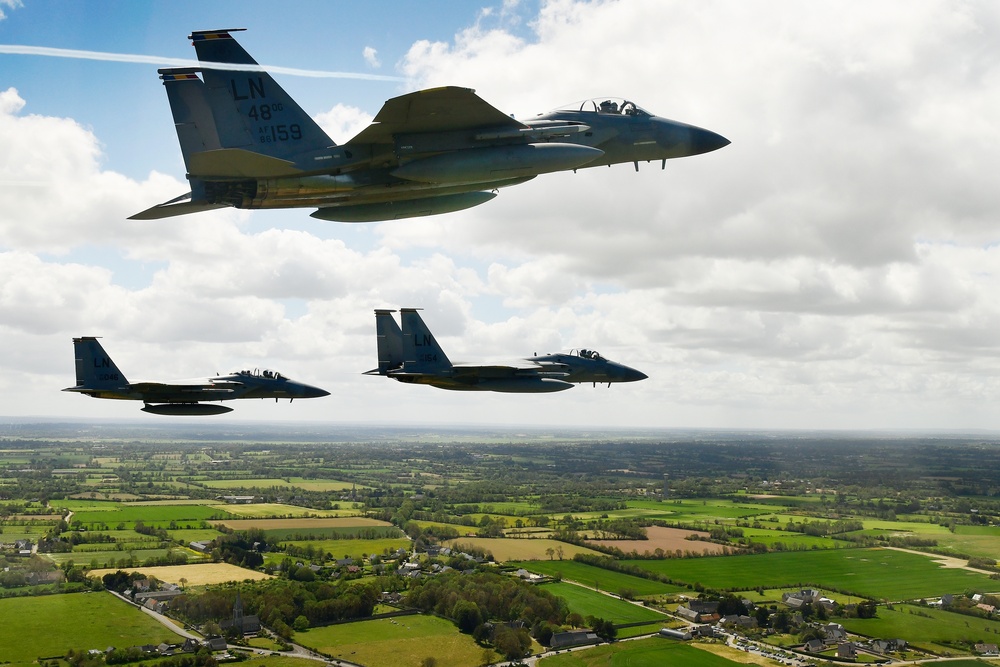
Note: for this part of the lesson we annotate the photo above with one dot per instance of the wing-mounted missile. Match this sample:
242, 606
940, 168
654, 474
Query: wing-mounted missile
536, 131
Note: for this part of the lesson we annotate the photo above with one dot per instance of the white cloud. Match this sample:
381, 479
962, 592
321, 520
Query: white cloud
371, 57
9, 4
835, 266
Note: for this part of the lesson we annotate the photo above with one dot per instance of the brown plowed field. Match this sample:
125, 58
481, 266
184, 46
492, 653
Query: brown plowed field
668, 539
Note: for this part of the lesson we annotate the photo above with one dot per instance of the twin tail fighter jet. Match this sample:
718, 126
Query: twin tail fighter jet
247, 144
412, 355
99, 377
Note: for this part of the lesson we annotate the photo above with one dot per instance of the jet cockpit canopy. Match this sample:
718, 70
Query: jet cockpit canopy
266, 374
606, 105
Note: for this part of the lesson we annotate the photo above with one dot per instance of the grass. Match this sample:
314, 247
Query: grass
151, 515
403, 641
333, 532
346, 548
506, 549
277, 511
875, 573
652, 652
924, 625
588, 602
51, 625
608, 580
108, 558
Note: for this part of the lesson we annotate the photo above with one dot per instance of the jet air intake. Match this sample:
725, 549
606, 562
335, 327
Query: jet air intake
476, 165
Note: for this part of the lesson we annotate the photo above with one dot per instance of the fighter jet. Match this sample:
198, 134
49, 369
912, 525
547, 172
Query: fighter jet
247, 144
99, 377
413, 356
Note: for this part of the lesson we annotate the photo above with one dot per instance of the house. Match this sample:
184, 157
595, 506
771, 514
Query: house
190, 645
216, 643
883, 646
815, 646
988, 608
703, 606
38, 578
201, 547
986, 649
847, 650
688, 614
833, 633
574, 638
739, 621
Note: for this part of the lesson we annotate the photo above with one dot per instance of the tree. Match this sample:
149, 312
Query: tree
512, 643
301, 624
467, 615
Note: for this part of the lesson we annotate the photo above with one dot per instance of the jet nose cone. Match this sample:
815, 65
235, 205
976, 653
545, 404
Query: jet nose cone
632, 375
313, 392
706, 141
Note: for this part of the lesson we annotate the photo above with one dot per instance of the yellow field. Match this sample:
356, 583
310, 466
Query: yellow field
504, 549
201, 574
274, 510
328, 522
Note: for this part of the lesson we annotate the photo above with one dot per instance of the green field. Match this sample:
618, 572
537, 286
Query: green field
925, 627
107, 558
333, 532
652, 652
876, 573
51, 625
404, 641
982, 541
349, 548
588, 602
114, 514
607, 580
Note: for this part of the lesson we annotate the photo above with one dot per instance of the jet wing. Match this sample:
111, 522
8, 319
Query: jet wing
434, 110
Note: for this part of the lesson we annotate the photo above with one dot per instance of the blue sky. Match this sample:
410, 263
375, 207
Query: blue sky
835, 267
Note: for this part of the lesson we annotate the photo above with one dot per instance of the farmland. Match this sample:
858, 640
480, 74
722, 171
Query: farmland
794, 512
390, 642
877, 573
653, 652
607, 580
588, 602
51, 625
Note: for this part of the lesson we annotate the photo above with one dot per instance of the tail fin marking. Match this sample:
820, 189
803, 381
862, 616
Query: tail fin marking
94, 368
421, 351
251, 110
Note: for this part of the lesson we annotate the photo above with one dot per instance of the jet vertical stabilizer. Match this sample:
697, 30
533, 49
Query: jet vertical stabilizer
94, 368
252, 111
421, 352
390, 342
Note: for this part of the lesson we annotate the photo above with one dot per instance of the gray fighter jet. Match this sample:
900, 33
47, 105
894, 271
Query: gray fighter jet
247, 144
412, 355
99, 377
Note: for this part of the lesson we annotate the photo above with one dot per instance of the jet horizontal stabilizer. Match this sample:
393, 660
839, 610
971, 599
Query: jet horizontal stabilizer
239, 163
168, 209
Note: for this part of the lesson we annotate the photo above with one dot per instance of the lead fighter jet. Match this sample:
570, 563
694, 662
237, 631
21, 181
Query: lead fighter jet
413, 356
99, 377
247, 144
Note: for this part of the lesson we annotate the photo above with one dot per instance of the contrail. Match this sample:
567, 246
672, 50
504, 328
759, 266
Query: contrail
19, 49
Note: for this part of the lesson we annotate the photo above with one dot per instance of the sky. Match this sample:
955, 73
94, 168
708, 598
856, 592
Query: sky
837, 266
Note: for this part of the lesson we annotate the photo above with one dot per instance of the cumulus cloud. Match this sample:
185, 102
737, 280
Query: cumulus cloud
835, 266
371, 57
